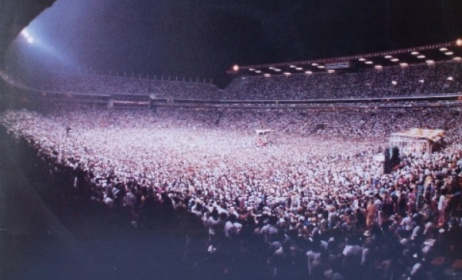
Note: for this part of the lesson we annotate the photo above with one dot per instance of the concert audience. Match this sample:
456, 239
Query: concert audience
313, 197
393, 81
309, 202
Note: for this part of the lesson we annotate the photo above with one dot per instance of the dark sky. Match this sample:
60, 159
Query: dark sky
203, 38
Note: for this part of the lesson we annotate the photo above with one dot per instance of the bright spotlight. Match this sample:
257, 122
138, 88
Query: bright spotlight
459, 42
25, 33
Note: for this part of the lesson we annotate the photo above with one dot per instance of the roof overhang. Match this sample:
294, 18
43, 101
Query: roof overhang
430, 54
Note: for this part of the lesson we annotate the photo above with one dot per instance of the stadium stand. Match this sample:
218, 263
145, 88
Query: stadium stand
314, 200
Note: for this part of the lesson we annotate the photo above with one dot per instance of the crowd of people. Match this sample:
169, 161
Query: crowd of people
413, 79
312, 202
309, 201
99, 84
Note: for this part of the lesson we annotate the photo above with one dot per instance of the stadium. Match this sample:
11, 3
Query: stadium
343, 167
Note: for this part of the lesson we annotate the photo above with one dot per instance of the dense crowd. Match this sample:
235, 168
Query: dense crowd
414, 79
308, 200
98, 84
312, 201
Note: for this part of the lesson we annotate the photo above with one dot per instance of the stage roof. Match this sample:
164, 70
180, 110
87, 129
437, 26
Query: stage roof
433, 135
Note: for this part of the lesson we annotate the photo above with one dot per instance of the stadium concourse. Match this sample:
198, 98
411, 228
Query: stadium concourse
313, 204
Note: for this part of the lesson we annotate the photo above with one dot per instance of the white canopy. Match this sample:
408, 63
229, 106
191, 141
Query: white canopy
433, 135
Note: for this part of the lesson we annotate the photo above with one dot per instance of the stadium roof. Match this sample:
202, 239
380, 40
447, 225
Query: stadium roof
429, 54
202, 39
